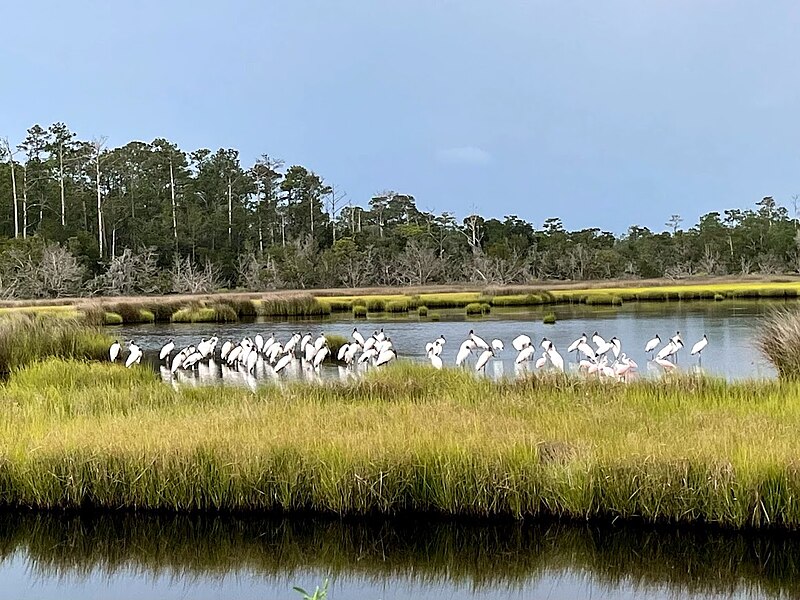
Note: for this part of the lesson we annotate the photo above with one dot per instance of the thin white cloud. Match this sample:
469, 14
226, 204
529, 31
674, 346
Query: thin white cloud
464, 155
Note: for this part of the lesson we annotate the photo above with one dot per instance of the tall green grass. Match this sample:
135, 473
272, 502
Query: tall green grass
403, 440
28, 338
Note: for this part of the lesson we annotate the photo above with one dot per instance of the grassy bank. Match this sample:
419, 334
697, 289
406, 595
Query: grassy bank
405, 440
234, 306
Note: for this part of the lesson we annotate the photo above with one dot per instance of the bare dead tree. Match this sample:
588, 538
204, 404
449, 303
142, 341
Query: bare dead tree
419, 264
187, 278
335, 202
9, 152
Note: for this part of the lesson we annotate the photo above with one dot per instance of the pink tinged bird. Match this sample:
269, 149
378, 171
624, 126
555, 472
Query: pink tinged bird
541, 361
665, 364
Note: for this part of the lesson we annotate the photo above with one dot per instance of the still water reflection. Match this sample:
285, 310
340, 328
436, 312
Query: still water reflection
127, 556
730, 326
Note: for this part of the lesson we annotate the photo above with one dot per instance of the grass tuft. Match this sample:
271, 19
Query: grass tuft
549, 318
779, 341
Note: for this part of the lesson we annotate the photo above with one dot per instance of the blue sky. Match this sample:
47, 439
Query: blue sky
603, 113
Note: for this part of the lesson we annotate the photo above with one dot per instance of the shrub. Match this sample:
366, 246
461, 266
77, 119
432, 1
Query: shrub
146, 316
422, 311
719, 297
549, 318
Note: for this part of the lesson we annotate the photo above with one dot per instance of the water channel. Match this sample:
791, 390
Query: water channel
730, 326
150, 556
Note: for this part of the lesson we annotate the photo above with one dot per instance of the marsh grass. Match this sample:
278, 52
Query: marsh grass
397, 306
360, 312
300, 305
778, 340
407, 439
422, 311
478, 308
28, 338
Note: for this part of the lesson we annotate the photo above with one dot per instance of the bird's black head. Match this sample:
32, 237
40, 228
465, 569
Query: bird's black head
471, 332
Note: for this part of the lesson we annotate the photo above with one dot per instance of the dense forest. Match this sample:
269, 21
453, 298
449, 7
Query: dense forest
79, 217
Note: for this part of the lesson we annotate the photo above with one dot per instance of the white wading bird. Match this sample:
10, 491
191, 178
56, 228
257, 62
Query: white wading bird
114, 350
484, 358
166, 350
135, 356
699, 347
652, 344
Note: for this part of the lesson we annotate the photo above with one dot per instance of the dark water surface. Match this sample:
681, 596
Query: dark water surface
730, 326
127, 556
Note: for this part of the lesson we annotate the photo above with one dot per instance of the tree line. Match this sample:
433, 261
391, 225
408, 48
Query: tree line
80, 217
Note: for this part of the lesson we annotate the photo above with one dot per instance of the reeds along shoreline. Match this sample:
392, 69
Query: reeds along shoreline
407, 440
26, 338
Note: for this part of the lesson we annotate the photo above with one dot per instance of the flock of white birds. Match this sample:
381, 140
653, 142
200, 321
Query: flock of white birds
375, 350
593, 355
592, 358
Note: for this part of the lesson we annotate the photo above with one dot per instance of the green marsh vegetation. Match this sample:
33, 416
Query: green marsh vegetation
407, 439
26, 338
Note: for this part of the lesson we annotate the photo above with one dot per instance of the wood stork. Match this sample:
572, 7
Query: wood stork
436, 360
652, 344
525, 354
546, 344
521, 342
484, 358
497, 345
574, 346
385, 357
134, 356
358, 337
555, 358
114, 350
699, 347
283, 362
479, 341
597, 340
166, 350
320, 355
226, 349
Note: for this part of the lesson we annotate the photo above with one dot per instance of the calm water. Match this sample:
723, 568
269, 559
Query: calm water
145, 556
730, 327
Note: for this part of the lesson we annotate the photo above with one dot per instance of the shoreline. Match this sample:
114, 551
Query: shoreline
234, 306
